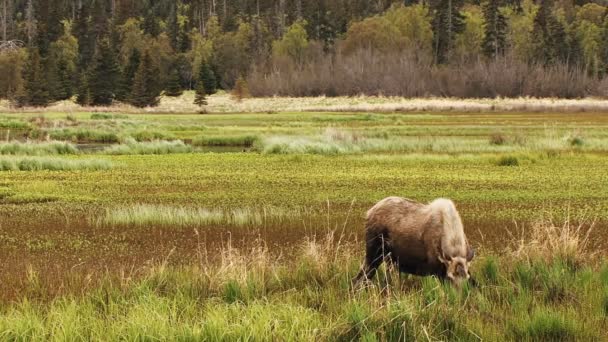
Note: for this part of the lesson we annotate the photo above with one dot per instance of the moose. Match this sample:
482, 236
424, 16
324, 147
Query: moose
418, 239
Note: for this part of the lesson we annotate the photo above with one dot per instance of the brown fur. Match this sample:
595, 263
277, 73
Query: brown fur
419, 239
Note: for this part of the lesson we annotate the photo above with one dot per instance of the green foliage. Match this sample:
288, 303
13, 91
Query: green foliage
468, 43
12, 65
146, 90
399, 28
293, 44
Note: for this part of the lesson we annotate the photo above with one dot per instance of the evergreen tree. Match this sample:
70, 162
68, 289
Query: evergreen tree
64, 79
84, 94
495, 28
128, 75
85, 43
150, 24
174, 86
207, 76
36, 90
184, 40
200, 97
447, 23
104, 74
60, 79
145, 91
550, 36
173, 28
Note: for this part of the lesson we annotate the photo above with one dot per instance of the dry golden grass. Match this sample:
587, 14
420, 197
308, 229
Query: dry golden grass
223, 102
547, 241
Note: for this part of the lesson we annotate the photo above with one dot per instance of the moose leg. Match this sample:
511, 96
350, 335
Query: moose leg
374, 256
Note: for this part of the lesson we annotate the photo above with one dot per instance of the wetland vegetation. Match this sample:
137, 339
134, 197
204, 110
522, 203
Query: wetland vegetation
157, 234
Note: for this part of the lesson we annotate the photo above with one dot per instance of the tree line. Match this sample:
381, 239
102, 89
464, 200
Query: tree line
102, 51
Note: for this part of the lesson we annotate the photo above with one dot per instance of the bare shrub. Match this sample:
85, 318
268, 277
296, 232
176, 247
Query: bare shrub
409, 74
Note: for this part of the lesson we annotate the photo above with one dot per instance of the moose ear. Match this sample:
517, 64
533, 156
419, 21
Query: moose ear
470, 253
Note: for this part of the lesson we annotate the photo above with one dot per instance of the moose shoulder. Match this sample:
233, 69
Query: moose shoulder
419, 239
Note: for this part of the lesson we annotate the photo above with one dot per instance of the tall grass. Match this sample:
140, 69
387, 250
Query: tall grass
234, 140
131, 146
82, 135
51, 164
337, 142
148, 214
37, 149
255, 294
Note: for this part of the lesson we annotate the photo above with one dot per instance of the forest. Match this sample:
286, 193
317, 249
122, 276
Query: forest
98, 52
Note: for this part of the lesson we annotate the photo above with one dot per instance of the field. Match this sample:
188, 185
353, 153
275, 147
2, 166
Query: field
249, 226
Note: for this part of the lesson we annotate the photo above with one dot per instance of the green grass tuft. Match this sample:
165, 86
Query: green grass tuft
131, 147
508, 161
37, 149
237, 140
51, 164
546, 325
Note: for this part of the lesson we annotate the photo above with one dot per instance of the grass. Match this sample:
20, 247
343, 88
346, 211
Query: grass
51, 164
222, 102
131, 147
262, 245
37, 149
238, 140
83, 135
146, 215
252, 293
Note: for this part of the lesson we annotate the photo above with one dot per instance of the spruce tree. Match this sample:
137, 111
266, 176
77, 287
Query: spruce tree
447, 23
36, 91
551, 41
86, 45
495, 27
200, 98
104, 74
60, 79
173, 28
84, 95
207, 76
150, 24
128, 75
145, 91
174, 86
184, 40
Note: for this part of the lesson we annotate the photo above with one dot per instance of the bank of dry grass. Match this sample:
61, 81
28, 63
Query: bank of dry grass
224, 103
